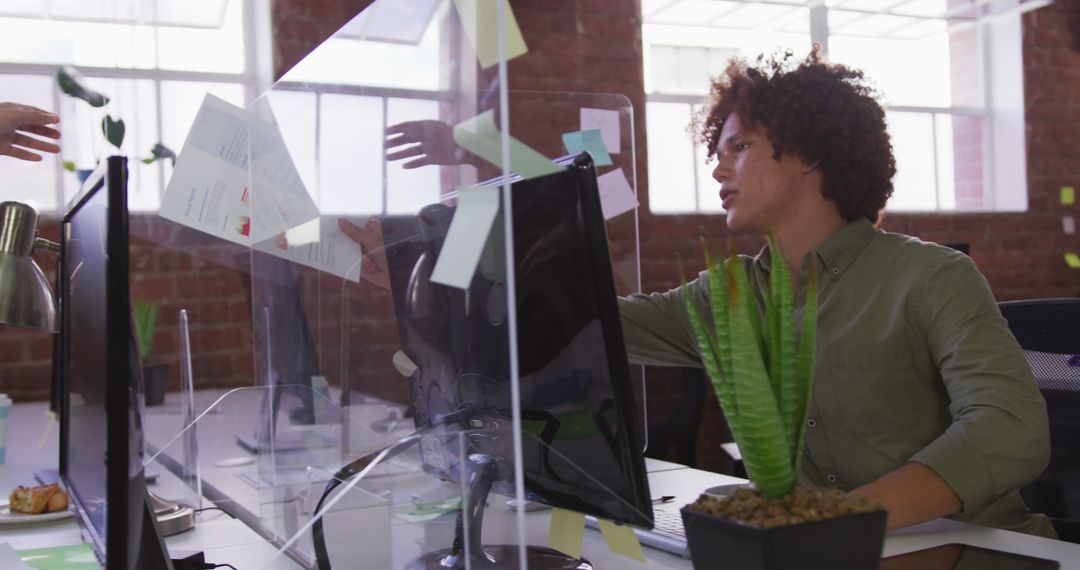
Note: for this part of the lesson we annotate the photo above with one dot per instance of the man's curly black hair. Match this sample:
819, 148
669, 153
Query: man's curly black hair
825, 114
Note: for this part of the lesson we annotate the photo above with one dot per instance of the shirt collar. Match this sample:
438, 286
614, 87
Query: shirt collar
838, 251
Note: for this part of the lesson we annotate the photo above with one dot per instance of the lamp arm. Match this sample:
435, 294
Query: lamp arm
44, 244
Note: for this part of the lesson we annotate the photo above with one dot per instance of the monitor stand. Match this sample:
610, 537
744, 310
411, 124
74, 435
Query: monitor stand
482, 472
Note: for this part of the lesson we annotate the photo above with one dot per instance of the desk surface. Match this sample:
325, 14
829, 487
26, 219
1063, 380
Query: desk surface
228, 540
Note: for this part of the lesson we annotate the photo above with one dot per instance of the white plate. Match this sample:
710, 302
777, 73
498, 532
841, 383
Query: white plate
9, 518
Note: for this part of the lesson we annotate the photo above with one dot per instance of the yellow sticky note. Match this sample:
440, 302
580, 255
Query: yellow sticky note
480, 136
1068, 196
566, 531
622, 540
480, 18
1072, 260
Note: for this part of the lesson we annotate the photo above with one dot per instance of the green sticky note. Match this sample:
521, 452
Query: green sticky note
621, 540
465, 240
566, 531
1068, 195
1072, 260
480, 18
480, 136
76, 557
592, 141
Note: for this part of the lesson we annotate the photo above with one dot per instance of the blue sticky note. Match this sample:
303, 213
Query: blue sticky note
591, 141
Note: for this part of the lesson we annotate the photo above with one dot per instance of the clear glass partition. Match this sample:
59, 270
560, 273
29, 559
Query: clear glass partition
426, 261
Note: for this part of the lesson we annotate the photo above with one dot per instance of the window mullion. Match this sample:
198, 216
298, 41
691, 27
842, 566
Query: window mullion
819, 26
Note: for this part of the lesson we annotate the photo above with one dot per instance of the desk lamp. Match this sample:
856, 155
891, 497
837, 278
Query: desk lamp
26, 299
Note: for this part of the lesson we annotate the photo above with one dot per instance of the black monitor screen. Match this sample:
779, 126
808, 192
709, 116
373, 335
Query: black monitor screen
86, 350
580, 442
101, 437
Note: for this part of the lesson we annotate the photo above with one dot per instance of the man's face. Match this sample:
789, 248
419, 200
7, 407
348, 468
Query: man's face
759, 192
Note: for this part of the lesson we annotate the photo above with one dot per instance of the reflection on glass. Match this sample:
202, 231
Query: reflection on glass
410, 190
29, 182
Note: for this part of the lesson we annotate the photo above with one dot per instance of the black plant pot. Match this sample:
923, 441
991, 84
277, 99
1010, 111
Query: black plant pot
155, 381
848, 543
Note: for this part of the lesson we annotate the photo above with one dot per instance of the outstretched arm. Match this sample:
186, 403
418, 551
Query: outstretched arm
18, 122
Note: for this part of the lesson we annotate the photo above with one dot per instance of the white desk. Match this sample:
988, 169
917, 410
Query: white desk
222, 538
228, 540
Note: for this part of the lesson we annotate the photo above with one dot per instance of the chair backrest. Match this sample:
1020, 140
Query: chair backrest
1049, 332
675, 438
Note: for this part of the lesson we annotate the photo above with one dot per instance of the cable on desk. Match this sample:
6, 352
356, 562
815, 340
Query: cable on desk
210, 566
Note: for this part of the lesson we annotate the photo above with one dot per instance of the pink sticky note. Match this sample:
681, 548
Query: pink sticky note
616, 196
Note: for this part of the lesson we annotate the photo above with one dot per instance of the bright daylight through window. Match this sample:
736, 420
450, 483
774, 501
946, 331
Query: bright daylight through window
946, 105
156, 59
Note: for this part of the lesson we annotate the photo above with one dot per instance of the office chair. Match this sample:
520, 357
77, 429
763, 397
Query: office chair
1049, 332
675, 438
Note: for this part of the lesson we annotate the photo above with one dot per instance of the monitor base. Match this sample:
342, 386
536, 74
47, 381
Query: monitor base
500, 556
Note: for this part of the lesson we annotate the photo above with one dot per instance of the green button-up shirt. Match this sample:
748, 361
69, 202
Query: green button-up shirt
914, 363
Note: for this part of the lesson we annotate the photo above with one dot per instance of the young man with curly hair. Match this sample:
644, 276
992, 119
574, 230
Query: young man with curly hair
922, 398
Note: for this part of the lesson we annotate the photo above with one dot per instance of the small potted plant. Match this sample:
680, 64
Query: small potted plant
762, 372
155, 375
71, 83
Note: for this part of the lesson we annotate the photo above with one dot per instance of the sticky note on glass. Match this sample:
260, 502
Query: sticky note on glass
566, 532
480, 18
476, 210
1068, 224
621, 540
608, 123
616, 196
1072, 260
1068, 195
480, 136
579, 141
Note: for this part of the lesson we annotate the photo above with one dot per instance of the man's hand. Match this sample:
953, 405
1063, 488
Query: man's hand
373, 262
912, 494
436, 144
16, 121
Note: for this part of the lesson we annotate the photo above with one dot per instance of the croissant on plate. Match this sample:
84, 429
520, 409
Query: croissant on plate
37, 500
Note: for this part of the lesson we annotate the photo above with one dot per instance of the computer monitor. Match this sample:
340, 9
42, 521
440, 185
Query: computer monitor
581, 444
101, 430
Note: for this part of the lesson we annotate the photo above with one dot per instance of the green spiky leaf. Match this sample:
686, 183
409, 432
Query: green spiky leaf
145, 313
762, 372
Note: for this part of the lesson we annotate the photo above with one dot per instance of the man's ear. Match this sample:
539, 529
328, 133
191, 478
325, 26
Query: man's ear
808, 166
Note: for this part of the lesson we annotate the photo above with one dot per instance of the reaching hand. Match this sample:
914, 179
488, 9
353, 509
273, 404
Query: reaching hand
436, 146
16, 120
373, 266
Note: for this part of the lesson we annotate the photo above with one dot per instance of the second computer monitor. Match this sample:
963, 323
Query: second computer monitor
581, 444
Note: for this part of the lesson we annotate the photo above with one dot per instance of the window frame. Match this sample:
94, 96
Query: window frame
1003, 175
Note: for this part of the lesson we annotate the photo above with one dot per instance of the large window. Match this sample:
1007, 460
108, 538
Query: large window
157, 60
147, 57
956, 121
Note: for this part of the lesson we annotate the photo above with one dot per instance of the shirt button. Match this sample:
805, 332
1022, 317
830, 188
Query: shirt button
811, 422
836, 271
831, 478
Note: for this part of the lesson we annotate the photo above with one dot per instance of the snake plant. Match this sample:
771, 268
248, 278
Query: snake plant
761, 368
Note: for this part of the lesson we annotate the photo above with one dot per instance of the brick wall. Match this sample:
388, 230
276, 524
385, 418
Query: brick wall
595, 46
